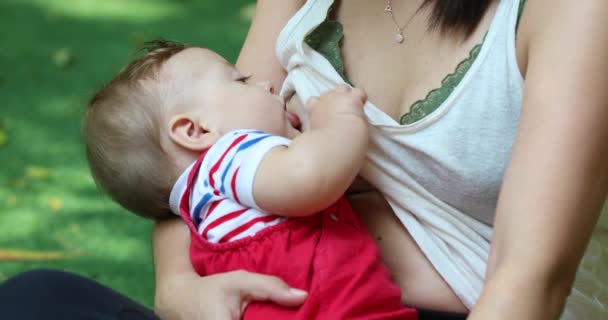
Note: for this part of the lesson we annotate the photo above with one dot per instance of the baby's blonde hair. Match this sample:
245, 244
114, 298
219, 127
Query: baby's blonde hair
121, 130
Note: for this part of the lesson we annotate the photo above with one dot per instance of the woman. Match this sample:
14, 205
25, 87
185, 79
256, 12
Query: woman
521, 111
547, 190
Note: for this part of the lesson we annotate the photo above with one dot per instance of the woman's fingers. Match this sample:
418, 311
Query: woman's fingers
223, 296
257, 287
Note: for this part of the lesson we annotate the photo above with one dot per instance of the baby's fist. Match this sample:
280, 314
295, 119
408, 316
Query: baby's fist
342, 102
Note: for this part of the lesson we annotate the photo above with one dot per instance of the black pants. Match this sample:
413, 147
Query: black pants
51, 294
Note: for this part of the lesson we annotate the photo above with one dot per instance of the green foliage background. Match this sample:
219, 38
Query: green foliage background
53, 55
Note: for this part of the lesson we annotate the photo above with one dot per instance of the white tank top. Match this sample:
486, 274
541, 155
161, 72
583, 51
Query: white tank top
441, 174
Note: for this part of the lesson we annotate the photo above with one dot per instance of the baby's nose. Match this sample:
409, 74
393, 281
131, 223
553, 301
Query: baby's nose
267, 85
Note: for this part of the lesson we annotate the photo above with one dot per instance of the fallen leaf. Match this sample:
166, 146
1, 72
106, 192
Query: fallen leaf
37, 173
27, 255
55, 203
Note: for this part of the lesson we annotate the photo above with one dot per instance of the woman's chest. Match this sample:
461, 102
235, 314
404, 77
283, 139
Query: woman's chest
396, 75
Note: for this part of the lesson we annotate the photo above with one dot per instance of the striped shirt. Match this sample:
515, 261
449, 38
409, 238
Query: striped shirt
222, 207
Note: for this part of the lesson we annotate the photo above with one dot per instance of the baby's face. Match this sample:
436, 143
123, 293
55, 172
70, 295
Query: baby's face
214, 90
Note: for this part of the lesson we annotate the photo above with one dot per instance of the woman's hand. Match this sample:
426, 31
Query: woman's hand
182, 294
222, 296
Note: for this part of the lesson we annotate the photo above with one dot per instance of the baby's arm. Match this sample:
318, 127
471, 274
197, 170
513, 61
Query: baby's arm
318, 166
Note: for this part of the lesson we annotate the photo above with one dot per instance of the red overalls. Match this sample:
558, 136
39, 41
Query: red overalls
331, 255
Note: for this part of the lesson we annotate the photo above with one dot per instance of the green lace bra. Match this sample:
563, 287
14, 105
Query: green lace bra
325, 39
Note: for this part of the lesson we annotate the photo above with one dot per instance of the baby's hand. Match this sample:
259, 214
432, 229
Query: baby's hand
339, 104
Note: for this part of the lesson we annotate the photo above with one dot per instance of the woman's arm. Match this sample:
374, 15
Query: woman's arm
180, 292
257, 57
557, 179
298, 180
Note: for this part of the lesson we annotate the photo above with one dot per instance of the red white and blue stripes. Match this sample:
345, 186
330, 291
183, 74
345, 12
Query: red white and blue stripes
222, 207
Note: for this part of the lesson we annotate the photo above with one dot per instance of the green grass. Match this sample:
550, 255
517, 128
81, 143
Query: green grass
53, 56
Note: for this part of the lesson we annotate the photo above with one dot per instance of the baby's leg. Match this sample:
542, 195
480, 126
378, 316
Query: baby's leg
421, 286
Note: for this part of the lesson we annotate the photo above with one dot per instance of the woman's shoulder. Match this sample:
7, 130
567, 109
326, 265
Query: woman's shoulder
565, 45
554, 21
540, 13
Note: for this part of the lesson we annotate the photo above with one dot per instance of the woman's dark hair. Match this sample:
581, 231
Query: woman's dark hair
456, 16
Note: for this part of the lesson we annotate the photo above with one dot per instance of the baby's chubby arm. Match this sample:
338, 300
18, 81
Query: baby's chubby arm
318, 166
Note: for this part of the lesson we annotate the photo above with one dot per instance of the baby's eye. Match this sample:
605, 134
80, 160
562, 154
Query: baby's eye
243, 79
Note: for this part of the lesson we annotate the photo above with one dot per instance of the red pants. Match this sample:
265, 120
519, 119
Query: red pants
331, 255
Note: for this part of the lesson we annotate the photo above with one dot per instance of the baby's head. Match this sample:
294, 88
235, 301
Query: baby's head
165, 108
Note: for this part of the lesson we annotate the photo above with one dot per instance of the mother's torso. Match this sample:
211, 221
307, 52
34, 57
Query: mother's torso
395, 76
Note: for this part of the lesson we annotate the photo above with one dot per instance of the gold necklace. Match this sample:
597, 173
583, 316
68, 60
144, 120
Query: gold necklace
399, 36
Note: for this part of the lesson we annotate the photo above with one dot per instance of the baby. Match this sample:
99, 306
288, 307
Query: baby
181, 131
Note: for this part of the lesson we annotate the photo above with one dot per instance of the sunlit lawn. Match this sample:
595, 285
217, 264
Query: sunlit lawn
53, 55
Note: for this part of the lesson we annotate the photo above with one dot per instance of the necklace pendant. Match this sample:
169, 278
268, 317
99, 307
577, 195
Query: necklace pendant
388, 8
399, 37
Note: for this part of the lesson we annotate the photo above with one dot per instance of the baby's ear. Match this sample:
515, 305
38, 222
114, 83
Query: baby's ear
186, 132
